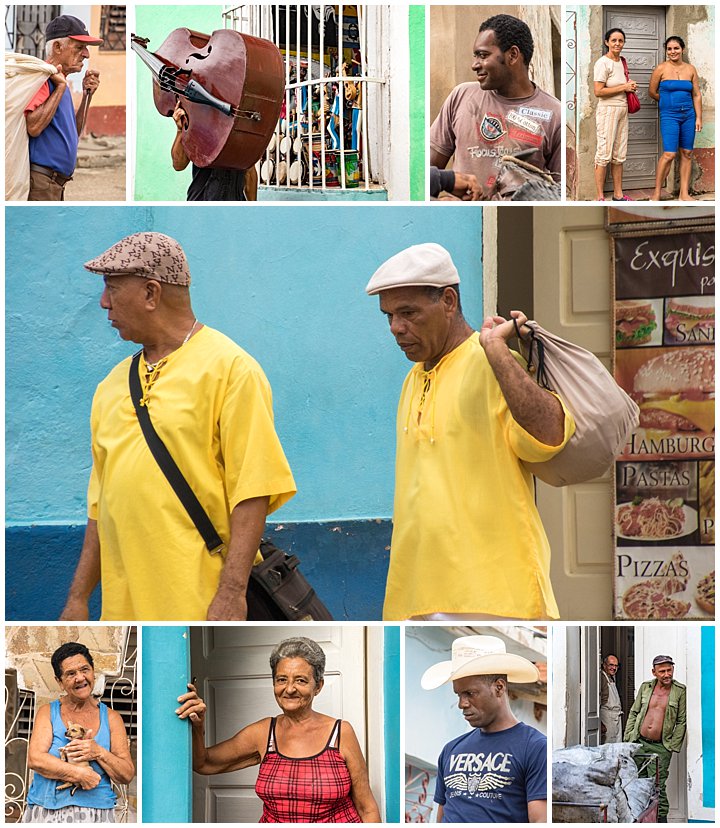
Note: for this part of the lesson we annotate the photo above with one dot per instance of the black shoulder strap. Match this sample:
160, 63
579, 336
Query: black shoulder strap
168, 466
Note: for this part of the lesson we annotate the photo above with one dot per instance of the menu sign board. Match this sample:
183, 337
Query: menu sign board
664, 314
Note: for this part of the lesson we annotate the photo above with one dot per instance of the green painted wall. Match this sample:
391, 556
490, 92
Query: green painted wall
155, 178
416, 25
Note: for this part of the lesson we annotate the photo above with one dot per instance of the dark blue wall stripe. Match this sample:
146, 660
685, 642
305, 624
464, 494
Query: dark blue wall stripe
345, 561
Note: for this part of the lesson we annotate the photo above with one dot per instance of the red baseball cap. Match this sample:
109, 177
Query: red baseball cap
68, 26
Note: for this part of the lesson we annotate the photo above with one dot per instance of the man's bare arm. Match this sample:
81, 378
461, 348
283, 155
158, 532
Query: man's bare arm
247, 523
87, 576
177, 151
39, 118
537, 810
438, 160
538, 411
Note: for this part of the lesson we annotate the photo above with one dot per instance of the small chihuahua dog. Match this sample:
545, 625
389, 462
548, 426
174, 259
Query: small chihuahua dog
73, 731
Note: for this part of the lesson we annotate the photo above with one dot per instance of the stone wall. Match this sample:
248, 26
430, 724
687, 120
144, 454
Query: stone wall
28, 650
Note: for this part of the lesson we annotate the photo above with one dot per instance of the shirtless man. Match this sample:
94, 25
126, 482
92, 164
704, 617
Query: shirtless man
657, 721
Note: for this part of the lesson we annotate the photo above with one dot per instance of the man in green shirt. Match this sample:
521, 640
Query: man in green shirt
657, 721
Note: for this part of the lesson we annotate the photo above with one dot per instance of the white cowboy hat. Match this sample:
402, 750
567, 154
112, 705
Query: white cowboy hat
480, 655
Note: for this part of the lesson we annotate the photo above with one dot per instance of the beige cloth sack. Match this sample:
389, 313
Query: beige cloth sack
604, 414
24, 75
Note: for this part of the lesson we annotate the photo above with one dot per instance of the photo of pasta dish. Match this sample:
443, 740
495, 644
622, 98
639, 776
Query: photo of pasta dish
652, 518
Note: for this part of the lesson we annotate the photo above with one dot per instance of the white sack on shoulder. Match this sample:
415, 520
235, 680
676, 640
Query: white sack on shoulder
24, 75
604, 414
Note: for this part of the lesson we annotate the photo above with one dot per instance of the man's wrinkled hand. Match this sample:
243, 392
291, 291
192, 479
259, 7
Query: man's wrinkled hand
58, 78
228, 605
91, 81
75, 610
498, 329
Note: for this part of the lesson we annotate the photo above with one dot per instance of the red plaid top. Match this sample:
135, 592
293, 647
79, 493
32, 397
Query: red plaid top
312, 789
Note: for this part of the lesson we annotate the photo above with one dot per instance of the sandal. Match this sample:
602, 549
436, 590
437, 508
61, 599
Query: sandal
622, 198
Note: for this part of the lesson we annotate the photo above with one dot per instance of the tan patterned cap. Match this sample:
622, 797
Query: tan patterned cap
152, 255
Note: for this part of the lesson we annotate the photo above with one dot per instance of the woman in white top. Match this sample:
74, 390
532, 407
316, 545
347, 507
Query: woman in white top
611, 115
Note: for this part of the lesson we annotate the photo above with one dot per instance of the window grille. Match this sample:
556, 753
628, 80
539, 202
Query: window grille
25, 28
419, 787
327, 133
112, 28
19, 718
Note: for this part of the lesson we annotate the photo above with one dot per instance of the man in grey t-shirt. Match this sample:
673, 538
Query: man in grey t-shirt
503, 114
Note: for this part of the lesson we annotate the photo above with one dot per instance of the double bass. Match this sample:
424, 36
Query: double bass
232, 86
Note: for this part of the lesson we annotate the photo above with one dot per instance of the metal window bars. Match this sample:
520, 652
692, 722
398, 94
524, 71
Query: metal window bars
112, 28
418, 800
19, 719
25, 28
321, 140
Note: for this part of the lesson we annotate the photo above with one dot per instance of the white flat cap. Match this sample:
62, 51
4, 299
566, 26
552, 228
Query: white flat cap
422, 265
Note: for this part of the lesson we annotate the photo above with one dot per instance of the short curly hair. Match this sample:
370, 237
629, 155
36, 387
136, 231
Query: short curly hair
304, 648
509, 31
68, 650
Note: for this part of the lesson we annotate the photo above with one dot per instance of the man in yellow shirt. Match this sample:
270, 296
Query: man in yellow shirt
467, 537
211, 405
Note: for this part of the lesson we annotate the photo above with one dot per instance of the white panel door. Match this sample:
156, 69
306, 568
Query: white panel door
572, 291
233, 676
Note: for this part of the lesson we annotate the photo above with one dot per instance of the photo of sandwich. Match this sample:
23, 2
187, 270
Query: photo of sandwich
689, 320
635, 322
676, 391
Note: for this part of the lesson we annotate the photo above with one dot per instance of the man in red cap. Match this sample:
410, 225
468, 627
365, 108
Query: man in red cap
52, 123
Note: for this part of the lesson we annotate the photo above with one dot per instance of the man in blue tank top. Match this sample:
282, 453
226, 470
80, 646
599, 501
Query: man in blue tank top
52, 123
496, 772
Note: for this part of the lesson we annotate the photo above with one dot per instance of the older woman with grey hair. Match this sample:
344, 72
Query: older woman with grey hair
311, 765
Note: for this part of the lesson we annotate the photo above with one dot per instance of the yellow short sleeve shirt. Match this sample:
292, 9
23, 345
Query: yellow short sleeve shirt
467, 536
212, 406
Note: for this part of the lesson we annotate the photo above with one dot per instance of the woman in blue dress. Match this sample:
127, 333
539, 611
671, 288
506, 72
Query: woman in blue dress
675, 85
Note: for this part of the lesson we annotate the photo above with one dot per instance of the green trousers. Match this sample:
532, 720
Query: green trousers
664, 756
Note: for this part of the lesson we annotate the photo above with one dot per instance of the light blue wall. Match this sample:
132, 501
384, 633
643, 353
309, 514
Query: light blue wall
286, 282
432, 717
165, 739
708, 702
391, 700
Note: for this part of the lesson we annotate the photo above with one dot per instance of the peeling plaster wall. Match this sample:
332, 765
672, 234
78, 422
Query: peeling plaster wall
696, 25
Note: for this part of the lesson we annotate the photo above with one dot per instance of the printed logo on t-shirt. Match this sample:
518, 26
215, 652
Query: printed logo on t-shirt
532, 112
492, 127
488, 152
523, 122
525, 137
478, 775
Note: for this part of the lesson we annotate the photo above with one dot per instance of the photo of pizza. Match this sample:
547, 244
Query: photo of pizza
705, 593
656, 599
